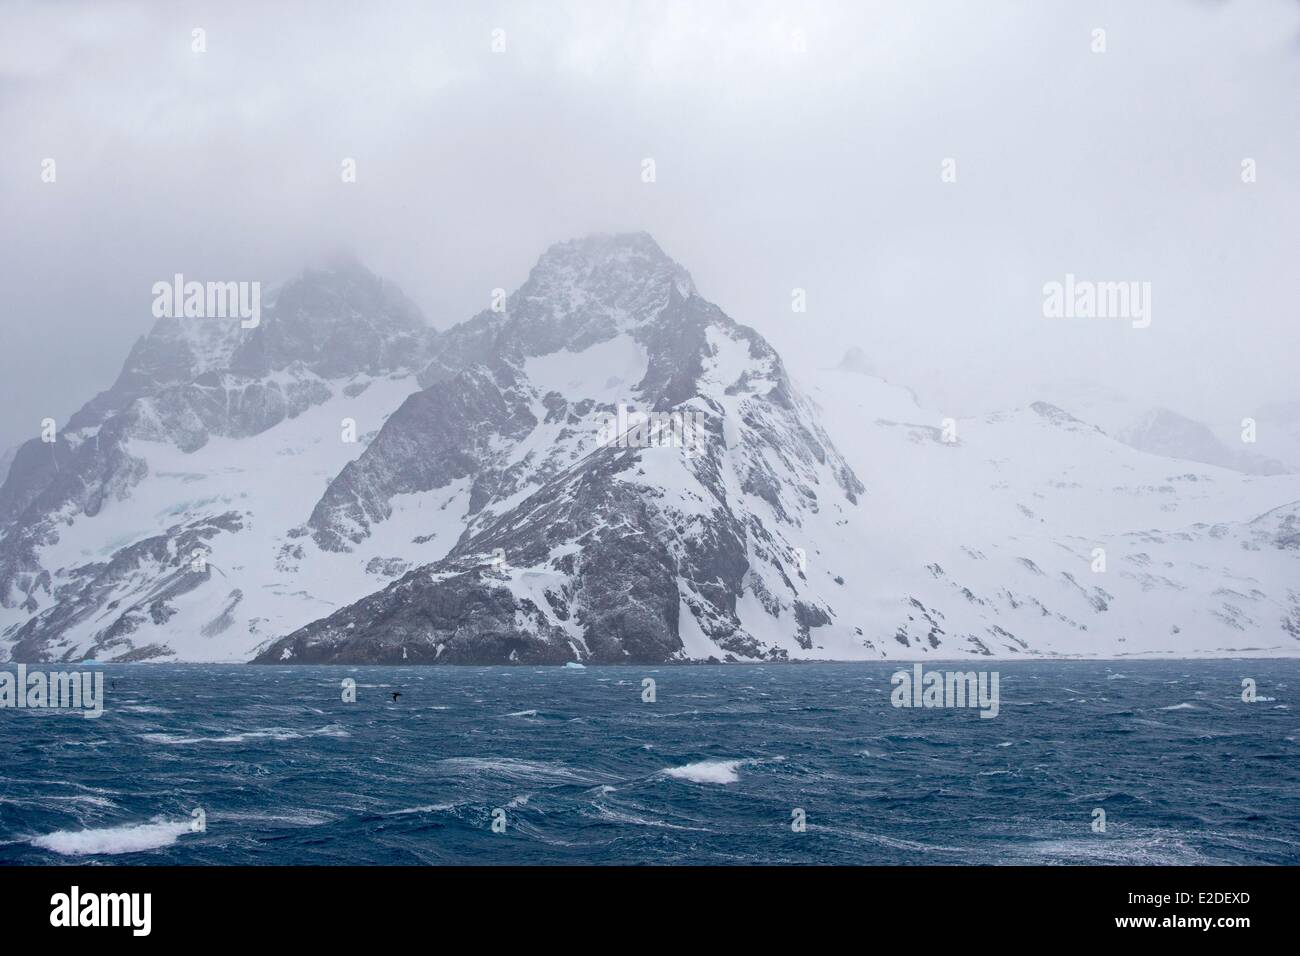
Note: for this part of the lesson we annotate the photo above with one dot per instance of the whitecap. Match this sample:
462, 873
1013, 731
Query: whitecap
508, 768
302, 818
618, 816
708, 771
427, 808
269, 733
131, 838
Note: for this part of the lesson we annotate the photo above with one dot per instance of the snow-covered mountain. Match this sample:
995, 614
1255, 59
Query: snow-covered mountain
564, 540
1171, 434
1007, 520
607, 469
160, 523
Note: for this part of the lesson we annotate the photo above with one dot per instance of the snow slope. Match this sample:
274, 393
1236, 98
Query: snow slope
1005, 523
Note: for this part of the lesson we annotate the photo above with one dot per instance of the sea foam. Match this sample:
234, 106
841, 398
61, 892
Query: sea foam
131, 838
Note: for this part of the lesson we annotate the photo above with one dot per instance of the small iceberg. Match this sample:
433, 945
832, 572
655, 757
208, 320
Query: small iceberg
575, 666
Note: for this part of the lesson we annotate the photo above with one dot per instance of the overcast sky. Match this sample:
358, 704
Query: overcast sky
780, 164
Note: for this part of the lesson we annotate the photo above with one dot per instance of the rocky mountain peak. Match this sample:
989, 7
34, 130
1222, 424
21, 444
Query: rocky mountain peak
336, 318
585, 290
579, 293
855, 360
626, 254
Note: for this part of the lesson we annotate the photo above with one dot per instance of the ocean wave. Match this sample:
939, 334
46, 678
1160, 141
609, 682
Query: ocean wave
103, 802
610, 815
426, 808
130, 838
708, 771
514, 770
304, 818
1133, 851
895, 843
268, 733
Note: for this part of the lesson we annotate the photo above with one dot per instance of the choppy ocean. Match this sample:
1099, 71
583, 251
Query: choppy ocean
581, 770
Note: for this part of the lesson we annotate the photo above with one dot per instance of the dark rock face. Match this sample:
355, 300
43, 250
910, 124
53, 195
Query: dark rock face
438, 435
463, 620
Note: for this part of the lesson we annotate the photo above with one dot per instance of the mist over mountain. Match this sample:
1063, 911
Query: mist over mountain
815, 165
606, 467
